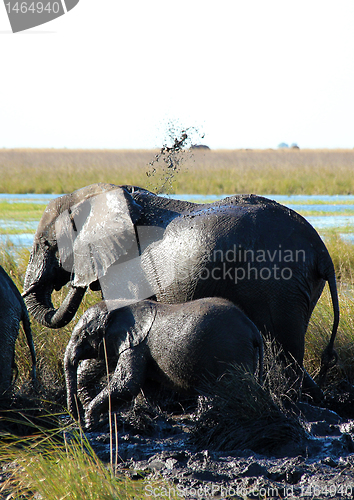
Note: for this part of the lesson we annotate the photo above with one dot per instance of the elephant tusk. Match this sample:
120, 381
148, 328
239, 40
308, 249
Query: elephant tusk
29, 290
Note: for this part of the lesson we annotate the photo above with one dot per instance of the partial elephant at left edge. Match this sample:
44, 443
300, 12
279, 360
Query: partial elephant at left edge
12, 312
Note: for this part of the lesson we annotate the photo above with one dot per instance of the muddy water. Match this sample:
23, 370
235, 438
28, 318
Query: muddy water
319, 467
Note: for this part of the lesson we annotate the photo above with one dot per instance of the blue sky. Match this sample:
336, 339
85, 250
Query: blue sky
113, 74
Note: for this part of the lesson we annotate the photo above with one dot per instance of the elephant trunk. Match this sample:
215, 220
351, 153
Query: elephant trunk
39, 304
70, 367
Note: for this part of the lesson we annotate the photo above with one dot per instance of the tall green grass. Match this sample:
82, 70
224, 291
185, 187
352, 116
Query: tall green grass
21, 211
46, 466
49, 467
342, 254
319, 332
204, 172
50, 344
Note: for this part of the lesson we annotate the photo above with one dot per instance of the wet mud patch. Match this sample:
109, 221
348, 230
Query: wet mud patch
161, 448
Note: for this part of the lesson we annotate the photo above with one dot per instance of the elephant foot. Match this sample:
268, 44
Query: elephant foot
311, 390
92, 418
90, 423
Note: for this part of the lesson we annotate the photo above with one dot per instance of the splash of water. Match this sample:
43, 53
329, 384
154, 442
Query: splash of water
167, 163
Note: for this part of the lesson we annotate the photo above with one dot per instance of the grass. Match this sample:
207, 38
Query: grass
46, 466
21, 211
200, 172
342, 254
51, 468
50, 344
71, 469
319, 330
238, 413
306, 213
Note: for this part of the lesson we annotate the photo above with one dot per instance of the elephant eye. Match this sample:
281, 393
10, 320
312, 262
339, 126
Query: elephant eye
45, 242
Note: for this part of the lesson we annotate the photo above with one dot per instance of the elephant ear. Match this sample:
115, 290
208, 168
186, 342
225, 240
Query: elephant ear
135, 321
97, 232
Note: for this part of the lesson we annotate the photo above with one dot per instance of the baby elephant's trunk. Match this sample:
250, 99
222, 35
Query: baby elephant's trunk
70, 367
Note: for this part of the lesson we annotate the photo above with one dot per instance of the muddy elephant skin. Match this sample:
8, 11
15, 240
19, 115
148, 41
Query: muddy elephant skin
12, 312
262, 256
178, 345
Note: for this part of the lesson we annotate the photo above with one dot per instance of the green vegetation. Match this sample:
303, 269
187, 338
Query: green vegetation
21, 211
205, 172
50, 344
52, 468
241, 414
49, 467
342, 254
55, 468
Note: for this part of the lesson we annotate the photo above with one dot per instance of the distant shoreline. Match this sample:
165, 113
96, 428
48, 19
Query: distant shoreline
269, 171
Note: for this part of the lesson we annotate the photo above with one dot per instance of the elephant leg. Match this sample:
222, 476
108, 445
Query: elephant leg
289, 331
124, 385
91, 378
89, 374
8, 365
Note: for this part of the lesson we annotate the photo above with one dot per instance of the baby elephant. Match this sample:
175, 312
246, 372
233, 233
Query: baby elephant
178, 345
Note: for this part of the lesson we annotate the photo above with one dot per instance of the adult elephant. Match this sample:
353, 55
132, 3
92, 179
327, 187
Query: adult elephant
262, 256
12, 312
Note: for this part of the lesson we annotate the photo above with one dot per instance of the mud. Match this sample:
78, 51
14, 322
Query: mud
159, 447
166, 164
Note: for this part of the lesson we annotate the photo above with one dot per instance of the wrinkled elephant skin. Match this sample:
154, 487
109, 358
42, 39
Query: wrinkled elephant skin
12, 312
262, 256
178, 345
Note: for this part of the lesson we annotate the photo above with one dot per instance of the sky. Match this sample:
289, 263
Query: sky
117, 73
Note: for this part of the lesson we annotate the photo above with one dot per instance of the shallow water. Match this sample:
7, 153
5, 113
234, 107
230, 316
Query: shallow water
27, 198
332, 205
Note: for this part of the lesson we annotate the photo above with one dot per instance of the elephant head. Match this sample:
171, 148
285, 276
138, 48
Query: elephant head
105, 331
83, 234
79, 236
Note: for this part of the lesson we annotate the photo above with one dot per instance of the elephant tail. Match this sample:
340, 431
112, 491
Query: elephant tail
28, 332
329, 356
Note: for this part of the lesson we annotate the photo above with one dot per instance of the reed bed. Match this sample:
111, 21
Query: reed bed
196, 171
53, 467
319, 332
21, 211
50, 467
